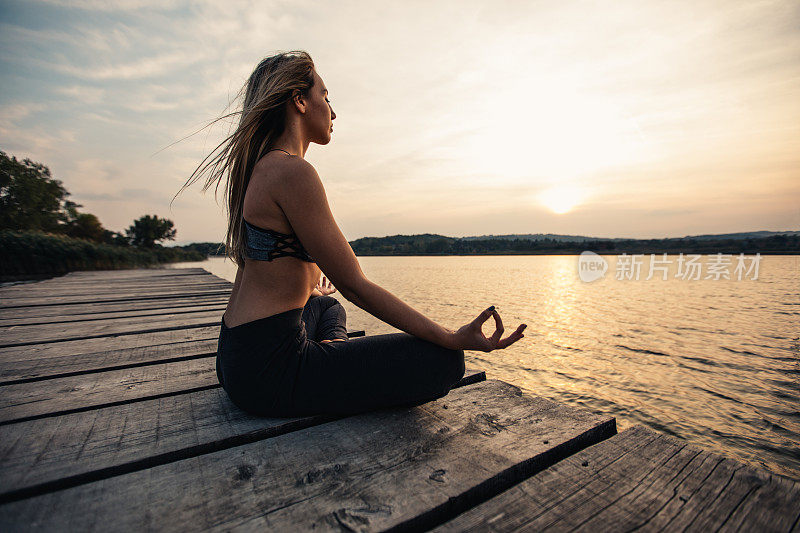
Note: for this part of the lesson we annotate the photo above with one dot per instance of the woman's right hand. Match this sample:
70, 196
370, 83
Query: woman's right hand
471, 337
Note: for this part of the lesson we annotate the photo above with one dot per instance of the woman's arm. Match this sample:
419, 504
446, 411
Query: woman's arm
381, 303
302, 197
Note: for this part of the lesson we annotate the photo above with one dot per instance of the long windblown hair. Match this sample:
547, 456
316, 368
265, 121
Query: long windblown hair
262, 121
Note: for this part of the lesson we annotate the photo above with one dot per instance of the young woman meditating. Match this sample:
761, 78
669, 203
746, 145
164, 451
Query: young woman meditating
283, 346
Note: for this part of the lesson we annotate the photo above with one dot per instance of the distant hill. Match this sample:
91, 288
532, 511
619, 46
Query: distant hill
537, 237
745, 235
583, 238
549, 243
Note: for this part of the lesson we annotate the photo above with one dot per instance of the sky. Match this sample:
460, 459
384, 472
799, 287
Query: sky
624, 118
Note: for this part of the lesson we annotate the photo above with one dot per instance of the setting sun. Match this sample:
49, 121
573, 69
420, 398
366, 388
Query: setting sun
560, 199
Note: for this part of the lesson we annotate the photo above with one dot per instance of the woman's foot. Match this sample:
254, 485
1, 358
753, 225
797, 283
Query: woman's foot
332, 340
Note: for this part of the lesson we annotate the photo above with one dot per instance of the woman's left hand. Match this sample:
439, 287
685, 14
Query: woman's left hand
324, 286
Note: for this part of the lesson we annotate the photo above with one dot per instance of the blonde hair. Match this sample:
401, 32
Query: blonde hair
262, 121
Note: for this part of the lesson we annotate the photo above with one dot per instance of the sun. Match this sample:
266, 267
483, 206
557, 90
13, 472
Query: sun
561, 198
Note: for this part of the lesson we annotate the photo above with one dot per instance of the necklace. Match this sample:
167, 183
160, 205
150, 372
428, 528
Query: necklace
281, 149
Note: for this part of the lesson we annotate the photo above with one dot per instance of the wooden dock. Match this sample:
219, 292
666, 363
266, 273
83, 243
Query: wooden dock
111, 418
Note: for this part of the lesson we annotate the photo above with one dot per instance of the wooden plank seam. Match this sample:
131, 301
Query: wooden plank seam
505, 480
141, 298
110, 368
119, 334
183, 453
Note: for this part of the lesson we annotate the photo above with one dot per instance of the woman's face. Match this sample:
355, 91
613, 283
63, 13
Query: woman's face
319, 113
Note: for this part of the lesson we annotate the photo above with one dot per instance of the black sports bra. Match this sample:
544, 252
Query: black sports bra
265, 244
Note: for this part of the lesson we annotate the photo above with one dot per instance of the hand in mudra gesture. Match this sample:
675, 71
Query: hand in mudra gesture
471, 337
324, 286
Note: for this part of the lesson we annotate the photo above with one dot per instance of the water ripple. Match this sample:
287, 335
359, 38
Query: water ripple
642, 350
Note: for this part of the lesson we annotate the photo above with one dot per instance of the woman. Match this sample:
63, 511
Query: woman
283, 347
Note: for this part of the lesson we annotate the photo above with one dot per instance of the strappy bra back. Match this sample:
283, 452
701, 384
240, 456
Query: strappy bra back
265, 244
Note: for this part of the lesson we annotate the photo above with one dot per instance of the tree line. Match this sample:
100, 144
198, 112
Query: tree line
43, 232
32, 200
431, 244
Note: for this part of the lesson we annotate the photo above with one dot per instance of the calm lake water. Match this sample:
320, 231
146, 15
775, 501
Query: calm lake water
714, 362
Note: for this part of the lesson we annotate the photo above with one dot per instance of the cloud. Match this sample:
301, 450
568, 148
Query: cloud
22, 139
117, 5
148, 67
82, 93
12, 113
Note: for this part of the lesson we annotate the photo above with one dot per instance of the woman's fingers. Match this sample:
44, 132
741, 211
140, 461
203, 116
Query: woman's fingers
514, 337
495, 338
477, 340
483, 317
325, 285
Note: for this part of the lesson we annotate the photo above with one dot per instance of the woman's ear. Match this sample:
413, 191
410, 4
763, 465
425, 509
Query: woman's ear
299, 101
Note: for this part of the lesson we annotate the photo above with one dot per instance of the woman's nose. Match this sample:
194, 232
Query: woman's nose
333, 115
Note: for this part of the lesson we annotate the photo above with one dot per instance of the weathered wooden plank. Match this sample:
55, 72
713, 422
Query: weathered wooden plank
96, 293
62, 285
42, 455
101, 289
134, 272
111, 276
640, 480
38, 368
139, 271
63, 395
77, 347
59, 311
93, 317
90, 298
148, 273
445, 455
74, 286
24, 335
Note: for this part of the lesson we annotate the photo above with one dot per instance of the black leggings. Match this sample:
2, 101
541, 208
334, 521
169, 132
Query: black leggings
277, 366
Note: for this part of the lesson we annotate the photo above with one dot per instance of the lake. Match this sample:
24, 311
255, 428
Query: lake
713, 361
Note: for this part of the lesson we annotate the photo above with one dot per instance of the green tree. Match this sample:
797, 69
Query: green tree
86, 226
118, 239
30, 199
148, 230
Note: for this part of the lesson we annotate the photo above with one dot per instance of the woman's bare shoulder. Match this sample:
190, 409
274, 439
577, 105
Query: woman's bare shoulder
278, 184
282, 171
269, 181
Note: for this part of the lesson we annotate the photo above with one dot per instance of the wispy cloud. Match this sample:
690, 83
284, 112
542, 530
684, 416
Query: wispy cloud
82, 93
117, 5
148, 67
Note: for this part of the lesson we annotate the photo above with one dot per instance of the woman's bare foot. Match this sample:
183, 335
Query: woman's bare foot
332, 340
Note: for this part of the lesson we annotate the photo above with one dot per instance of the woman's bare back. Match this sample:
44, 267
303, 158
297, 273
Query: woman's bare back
265, 288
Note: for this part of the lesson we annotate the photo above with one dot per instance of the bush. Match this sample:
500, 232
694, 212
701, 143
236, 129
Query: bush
29, 253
